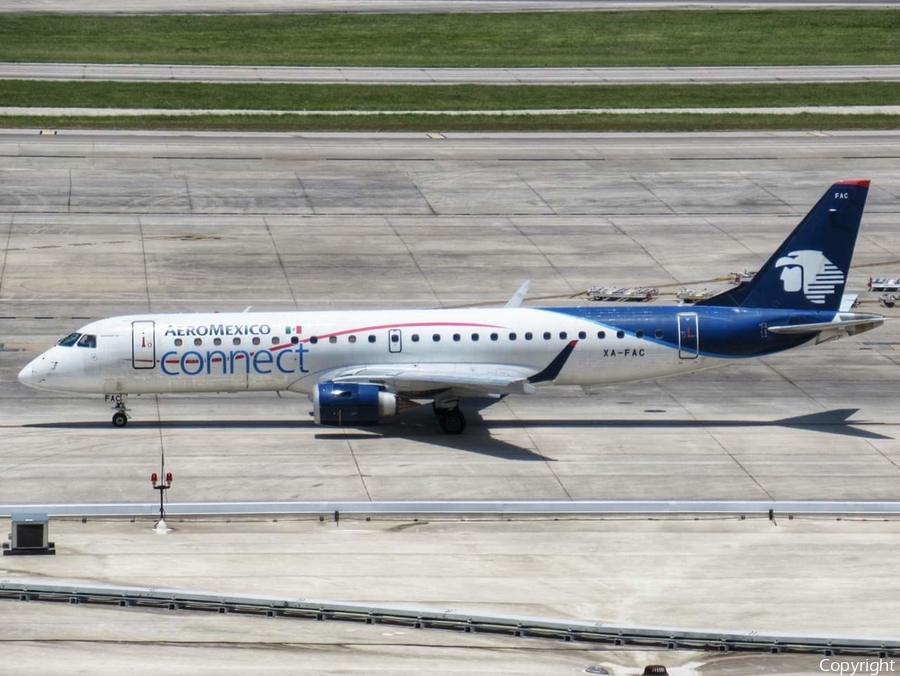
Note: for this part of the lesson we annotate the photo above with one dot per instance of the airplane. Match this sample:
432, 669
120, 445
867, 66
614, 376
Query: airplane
359, 367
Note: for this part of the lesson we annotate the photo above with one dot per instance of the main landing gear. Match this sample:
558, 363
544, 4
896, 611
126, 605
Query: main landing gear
450, 418
120, 417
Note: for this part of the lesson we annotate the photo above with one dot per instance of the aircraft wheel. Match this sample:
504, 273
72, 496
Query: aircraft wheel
119, 419
452, 422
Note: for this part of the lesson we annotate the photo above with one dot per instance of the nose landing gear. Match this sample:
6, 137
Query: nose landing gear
120, 417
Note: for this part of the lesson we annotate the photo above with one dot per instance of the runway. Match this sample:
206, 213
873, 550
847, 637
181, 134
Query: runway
38, 112
404, 6
446, 76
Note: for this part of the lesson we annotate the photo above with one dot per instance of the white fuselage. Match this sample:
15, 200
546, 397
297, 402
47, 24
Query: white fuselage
295, 351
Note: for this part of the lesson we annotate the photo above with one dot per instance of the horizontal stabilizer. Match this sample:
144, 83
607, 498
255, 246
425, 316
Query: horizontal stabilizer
857, 324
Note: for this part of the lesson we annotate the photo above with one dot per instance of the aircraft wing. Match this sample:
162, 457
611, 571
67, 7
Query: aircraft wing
428, 379
425, 380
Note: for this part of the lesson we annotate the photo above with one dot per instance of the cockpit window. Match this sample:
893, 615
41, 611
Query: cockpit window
70, 340
87, 340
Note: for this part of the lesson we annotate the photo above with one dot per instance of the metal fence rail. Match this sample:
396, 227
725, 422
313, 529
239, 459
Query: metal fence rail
781, 508
423, 618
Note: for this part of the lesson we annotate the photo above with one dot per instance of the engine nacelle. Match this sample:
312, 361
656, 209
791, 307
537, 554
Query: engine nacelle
350, 404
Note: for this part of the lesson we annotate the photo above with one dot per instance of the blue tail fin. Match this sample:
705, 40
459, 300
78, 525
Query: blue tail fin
810, 268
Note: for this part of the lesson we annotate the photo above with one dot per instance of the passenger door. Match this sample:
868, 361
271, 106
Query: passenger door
143, 345
688, 336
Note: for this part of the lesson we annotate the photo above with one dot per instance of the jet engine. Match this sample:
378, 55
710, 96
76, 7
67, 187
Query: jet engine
351, 404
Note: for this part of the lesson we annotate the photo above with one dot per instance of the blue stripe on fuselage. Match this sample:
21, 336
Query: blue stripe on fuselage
724, 332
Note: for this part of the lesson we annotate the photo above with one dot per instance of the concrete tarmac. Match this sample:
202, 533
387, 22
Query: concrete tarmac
404, 6
445, 76
94, 224
97, 224
821, 577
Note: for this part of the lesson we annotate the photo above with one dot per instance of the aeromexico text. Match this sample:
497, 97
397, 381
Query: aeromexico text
286, 358
220, 330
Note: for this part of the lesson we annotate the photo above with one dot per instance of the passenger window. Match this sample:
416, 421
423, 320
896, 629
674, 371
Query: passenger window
639, 334
415, 337
371, 339
70, 340
436, 337
395, 338
659, 333
455, 337
620, 334
601, 334
178, 342
275, 340
332, 339
216, 341
512, 336
474, 337
295, 340
88, 341
198, 342
563, 335
494, 336
351, 339
236, 341
547, 335
582, 335
255, 341
529, 335
313, 339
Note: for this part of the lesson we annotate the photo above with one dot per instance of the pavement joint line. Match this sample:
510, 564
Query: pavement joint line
37, 111
422, 617
469, 507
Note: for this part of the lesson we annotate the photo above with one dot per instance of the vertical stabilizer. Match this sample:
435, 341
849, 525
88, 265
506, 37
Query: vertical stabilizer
809, 270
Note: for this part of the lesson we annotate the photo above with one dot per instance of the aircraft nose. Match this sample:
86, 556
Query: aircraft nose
26, 375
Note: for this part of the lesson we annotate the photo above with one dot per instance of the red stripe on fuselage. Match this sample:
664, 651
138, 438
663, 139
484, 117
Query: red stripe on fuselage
363, 329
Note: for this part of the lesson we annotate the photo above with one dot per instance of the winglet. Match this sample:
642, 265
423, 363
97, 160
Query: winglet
519, 296
556, 366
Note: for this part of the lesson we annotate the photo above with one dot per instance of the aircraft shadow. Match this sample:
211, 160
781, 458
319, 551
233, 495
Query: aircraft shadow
419, 425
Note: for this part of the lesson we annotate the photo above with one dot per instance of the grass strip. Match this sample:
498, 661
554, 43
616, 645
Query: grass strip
439, 97
476, 123
653, 38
